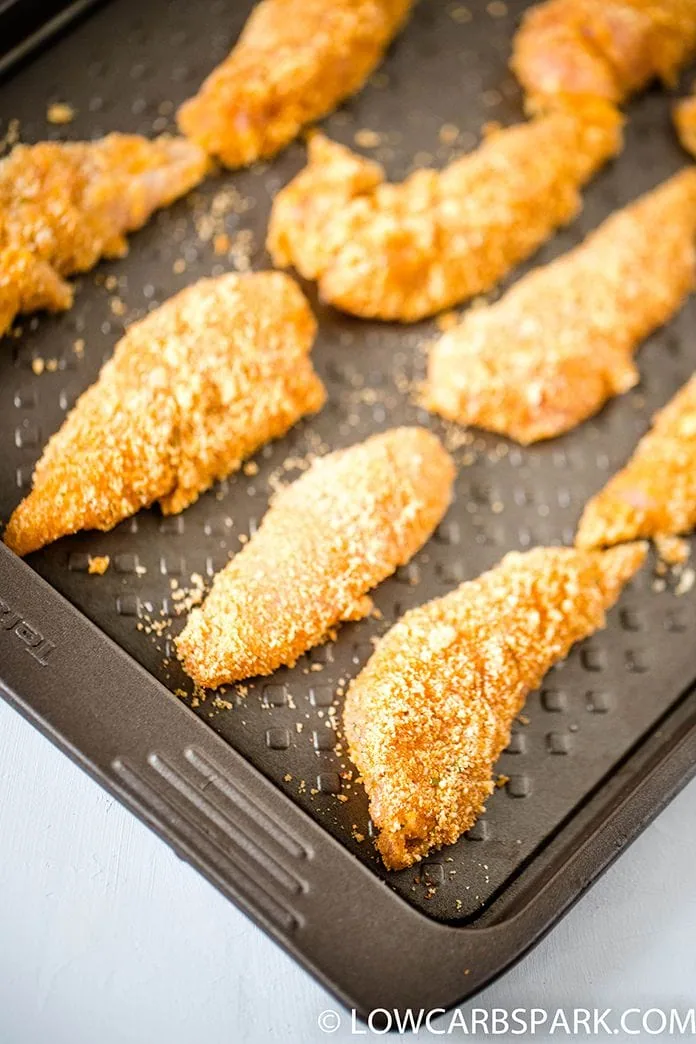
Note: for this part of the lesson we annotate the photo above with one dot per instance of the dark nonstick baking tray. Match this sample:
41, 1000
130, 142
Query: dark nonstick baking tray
248, 785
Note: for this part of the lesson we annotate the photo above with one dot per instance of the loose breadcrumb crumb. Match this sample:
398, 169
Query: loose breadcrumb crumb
60, 113
98, 564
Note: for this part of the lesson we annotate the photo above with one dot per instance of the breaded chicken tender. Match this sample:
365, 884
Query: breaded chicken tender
570, 49
430, 713
295, 61
404, 252
655, 494
65, 206
353, 518
685, 122
191, 391
551, 351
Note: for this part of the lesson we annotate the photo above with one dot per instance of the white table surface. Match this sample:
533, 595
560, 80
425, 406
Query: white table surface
106, 937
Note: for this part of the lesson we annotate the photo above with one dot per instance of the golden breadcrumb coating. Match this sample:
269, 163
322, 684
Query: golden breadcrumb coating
552, 350
609, 49
431, 711
404, 252
65, 206
327, 539
685, 122
655, 494
191, 391
294, 62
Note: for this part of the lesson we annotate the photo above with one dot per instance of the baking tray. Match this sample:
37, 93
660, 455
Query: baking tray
248, 787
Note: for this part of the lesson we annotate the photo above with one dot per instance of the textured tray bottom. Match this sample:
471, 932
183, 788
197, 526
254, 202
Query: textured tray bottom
613, 688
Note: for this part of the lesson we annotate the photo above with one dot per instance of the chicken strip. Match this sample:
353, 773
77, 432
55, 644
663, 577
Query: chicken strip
191, 391
327, 539
295, 61
549, 353
404, 252
65, 206
655, 494
430, 713
570, 49
685, 122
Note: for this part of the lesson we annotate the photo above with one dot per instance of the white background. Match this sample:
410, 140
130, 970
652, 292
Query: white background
107, 938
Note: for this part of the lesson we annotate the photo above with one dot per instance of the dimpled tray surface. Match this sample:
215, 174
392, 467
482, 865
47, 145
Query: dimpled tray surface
127, 67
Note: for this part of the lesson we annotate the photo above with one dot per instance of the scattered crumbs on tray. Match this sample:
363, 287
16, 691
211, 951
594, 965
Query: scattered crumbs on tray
456, 437
185, 598
291, 463
98, 564
79, 347
39, 365
60, 113
210, 219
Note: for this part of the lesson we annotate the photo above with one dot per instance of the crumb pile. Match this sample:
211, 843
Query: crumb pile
327, 539
431, 711
294, 62
65, 206
561, 342
404, 252
191, 391
655, 494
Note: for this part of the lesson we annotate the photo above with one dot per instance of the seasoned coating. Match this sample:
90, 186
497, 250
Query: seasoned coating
353, 518
65, 206
549, 353
655, 494
570, 49
431, 711
685, 122
404, 252
191, 390
295, 61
